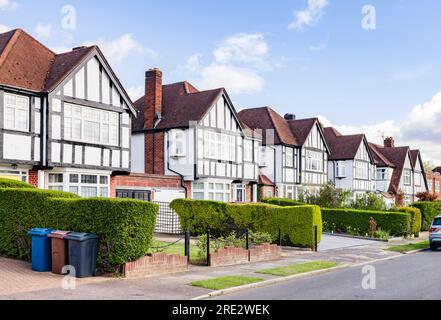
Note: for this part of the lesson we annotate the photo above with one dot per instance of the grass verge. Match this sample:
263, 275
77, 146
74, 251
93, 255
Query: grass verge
410, 247
225, 282
299, 268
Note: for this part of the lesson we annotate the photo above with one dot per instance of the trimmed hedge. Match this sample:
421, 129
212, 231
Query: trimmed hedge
8, 183
397, 223
297, 223
283, 202
415, 218
125, 227
429, 211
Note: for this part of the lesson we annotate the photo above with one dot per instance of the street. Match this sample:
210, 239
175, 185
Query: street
414, 277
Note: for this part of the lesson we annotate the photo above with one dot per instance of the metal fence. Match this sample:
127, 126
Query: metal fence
167, 221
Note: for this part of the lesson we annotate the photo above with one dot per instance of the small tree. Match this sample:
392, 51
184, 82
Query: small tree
399, 199
369, 201
328, 197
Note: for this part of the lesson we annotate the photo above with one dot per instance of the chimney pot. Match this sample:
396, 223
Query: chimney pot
389, 142
290, 116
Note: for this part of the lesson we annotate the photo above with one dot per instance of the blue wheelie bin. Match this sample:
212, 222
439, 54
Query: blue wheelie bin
41, 249
83, 250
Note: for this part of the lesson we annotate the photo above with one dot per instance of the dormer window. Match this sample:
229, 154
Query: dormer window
16, 112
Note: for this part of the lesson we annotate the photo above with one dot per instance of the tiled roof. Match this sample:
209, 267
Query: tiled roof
301, 129
181, 104
265, 181
379, 159
437, 170
27, 64
342, 147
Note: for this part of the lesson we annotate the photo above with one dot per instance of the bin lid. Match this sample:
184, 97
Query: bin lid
58, 234
39, 232
80, 236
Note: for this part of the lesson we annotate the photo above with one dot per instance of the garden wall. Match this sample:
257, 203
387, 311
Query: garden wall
154, 265
231, 255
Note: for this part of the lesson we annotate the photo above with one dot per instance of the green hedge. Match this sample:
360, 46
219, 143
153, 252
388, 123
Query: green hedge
397, 223
283, 202
415, 218
125, 227
429, 211
7, 183
297, 223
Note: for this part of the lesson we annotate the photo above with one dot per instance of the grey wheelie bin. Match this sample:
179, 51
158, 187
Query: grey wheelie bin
83, 249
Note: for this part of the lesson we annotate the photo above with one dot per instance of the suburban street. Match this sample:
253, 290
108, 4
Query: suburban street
415, 276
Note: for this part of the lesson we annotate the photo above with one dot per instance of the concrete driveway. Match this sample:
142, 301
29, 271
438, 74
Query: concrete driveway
331, 242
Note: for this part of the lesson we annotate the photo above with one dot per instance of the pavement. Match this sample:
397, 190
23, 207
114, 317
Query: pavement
17, 281
418, 280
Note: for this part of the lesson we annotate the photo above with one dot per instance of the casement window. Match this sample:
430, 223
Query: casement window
16, 112
340, 169
289, 192
361, 170
219, 146
418, 179
7, 173
211, 191
262, 157
84, 185
382, 174
437, 187
177, 144
239, 193
407, 177
314, 161
90, 125
289, 157
248, 150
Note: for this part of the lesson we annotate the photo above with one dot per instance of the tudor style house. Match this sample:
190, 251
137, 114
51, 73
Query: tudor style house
400, 172
351, 165
196, 136
65, 119
294, 156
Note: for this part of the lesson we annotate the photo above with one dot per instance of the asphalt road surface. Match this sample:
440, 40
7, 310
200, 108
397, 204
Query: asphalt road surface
413, 277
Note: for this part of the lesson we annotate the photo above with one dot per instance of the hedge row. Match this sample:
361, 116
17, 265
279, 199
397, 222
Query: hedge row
429, 211
415, 218
125, 227
283, 202
7, 183
397, 223
297, 223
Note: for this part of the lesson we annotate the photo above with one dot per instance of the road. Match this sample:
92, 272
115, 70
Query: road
413, 277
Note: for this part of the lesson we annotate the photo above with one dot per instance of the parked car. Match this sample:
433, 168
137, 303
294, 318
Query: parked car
435, 234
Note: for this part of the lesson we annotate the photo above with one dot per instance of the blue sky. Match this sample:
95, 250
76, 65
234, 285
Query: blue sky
308, 57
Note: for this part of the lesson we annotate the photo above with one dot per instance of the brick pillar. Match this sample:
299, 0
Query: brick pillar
153, 97
113, 183
33, 178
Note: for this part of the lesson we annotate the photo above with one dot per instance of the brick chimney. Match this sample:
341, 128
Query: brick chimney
153, 97
389, 142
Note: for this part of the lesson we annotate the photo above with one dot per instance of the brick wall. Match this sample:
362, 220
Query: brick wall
434, 182
263, 191
231, 256
143, 181
155, 264
154, 153
33, 178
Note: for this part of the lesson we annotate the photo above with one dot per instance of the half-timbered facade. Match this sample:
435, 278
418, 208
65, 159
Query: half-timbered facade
351, 165
294, 153
197, 136
65, 119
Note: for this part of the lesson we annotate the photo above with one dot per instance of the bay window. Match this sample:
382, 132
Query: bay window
217, 191
84, 185
177, 144
219, 146
16, 112
314, 161
91, 125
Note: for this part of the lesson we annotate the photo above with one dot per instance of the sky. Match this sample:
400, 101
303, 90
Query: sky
370, 67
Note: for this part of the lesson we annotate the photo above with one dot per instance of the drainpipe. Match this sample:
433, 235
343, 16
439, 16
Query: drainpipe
169, 169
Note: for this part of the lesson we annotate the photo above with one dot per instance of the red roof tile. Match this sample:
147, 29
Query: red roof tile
265, 181
342, 147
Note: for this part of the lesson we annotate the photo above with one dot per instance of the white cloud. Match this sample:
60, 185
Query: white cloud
8, 5
419, 130
317, 48
236, 64
43, 30
4, 28
120, 48
310, 16
136, 92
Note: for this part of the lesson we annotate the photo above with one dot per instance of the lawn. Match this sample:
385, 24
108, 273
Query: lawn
299, 268
225, 282
410, 247
177, 248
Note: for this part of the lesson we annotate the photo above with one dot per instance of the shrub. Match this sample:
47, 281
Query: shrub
427, 196
429, 211
7, 183
283, 202
369, 201
415, 218
258, 238
396, 223
125, 227
297, 223
328, 197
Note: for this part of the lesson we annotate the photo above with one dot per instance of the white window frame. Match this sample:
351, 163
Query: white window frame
262, 157
314, 161
382, 174
178, 144
340, 169
361, 170
17, 104
248, 150
418, 179
290, 190
239, 189
102, 188
75, 115
219, 146
289, 157
213, 190
407, 177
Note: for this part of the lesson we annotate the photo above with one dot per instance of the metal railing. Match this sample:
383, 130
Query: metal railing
167, 221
